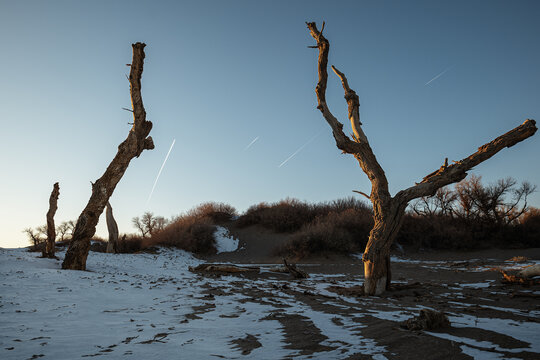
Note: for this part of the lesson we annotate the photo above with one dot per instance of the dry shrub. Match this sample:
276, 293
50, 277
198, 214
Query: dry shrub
284, 216
129, 244
291, 215
530, 225
339, 232
188, 232
437, 233
98, 244
217, 212
194, 230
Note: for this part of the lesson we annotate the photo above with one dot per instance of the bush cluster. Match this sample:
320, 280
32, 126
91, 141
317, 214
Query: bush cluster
193, 231
344, 232
290, 215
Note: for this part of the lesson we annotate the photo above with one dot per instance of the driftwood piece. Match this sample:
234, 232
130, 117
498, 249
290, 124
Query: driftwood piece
530, 271
112, 227
517, 280
49, 248
294, 271
388, 211
136, 141
427, 320
223, 268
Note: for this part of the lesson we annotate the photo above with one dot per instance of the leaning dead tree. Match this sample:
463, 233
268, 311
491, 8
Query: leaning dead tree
48, 250
112, 227
388, 211
136, 141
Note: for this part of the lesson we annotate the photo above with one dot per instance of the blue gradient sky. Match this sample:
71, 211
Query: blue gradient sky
218, 74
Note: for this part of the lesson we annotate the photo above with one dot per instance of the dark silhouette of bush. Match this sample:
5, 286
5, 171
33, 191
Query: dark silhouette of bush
342, 232
217, 212
129, 244
436, 232
98, 244
290, 215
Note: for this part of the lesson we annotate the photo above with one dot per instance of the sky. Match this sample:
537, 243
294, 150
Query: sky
232, 83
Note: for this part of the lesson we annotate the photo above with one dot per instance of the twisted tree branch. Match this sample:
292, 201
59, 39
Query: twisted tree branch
458, 171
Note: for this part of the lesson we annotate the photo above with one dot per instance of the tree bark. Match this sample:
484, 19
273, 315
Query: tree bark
112, 245
49, 249
136, 141
388, 211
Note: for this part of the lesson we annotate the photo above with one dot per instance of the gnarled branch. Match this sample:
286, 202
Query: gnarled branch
458, 171
359, 148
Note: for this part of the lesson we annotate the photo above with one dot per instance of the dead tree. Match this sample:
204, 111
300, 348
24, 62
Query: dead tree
48, 250
112, 227
388, 211
136, 141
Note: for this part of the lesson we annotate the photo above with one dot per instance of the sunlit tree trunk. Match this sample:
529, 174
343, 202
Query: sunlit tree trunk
112, 227
49, 249
388, 211
136, 141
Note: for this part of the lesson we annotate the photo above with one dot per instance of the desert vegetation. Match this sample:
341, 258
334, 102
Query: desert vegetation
470, 215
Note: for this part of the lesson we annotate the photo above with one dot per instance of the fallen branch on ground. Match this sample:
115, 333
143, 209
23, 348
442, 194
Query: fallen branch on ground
294, 271
223, 268
517, 280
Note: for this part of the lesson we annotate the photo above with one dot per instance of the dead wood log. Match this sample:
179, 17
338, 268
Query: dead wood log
517, 280
49, 248
294, 271
388, 211
223, 268
136, 141
530, 271
112, 227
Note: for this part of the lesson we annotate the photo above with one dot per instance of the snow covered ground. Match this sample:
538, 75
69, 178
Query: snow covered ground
150, 306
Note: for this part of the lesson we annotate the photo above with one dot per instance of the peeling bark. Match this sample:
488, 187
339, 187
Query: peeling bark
136, 141
49, 249
388, 211
112, 227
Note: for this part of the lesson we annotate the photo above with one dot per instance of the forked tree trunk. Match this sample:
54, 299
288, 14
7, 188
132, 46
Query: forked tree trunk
388, 211
49, 249
103, 188
112, 245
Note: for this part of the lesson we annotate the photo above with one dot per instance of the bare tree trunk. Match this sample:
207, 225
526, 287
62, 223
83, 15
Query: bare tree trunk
48, 250
103, 188
388, 211
112, 245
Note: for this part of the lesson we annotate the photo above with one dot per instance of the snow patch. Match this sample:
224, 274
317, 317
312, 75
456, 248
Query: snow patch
225, 242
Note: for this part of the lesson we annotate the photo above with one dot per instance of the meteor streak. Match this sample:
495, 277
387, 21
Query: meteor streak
299, 149
438, 76
251, 143
159, 173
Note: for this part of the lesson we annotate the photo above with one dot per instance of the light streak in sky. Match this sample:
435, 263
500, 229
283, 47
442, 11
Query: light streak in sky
159, 173
299, 149
251, 143
439, 75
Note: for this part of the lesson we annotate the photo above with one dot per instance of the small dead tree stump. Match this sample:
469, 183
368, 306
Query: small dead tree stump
427, 320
